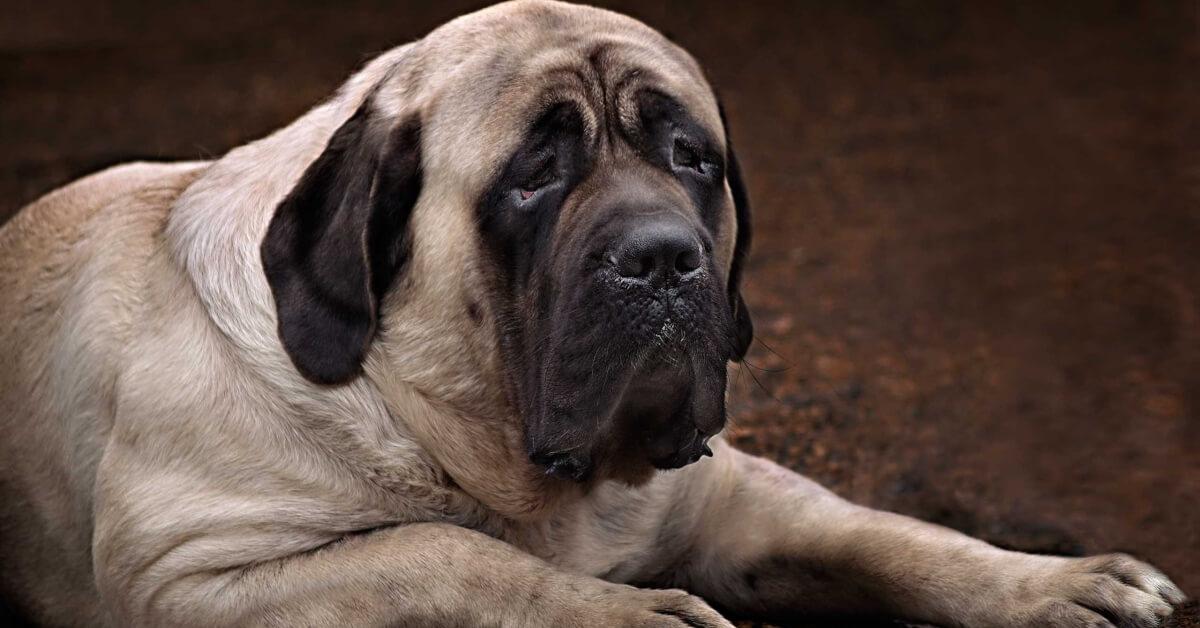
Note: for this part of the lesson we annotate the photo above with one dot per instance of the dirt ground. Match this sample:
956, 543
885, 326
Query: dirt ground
976, 275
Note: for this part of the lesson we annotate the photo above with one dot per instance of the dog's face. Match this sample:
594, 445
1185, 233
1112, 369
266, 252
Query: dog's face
607, 223
602, 228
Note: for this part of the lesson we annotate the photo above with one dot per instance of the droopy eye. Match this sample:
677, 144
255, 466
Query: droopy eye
543, 174
687, 155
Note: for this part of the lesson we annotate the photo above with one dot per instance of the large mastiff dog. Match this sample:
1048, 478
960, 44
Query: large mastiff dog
450, 349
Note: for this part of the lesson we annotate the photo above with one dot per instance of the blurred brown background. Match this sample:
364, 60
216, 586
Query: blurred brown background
976, 276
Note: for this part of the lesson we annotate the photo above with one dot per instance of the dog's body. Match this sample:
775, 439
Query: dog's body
184, 444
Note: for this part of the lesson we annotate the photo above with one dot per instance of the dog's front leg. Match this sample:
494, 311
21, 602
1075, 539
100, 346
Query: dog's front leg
772, 543
410, 575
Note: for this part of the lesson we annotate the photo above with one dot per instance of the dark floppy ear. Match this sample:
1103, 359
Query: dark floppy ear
338, 240
743, 325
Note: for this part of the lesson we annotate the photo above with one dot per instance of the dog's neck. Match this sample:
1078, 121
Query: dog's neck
480, 452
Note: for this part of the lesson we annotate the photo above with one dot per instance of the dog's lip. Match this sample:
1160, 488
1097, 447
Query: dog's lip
567, 465
686, 455
649, 407
657, 405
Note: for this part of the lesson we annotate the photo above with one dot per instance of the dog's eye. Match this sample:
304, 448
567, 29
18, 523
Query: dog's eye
688, 155
544, 174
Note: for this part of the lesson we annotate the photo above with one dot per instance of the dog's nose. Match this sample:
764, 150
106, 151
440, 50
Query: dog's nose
657, 250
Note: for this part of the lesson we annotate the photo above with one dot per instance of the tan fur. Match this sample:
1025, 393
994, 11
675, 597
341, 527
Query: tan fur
164, 464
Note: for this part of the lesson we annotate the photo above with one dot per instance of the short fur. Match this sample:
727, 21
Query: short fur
282, 387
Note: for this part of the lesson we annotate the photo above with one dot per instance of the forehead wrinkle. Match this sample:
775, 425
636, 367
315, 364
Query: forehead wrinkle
627, 114
625, 66
601, 64
499, 92
571, 82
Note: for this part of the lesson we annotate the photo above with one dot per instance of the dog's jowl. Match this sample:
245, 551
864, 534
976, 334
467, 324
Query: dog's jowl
450, 349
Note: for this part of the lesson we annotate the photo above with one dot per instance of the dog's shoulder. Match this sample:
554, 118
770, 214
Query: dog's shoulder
77, 220
53, 249
67, 210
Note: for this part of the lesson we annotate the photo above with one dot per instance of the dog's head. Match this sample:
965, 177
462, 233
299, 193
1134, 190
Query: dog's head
558, 181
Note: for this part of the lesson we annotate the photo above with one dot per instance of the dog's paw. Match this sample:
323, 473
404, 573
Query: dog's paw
1110, 591
608, 604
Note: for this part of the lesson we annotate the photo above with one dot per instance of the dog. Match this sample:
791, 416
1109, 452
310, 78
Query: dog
450, 349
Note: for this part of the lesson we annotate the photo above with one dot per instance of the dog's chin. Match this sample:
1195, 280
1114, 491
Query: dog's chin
658, 413
651, 426
657, 431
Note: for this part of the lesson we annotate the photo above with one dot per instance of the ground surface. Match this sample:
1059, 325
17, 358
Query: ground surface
977, 268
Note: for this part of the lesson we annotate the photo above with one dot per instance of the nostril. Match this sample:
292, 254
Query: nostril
687, 261
657, 251
633, 266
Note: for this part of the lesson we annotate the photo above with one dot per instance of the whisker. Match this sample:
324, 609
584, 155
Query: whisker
760, 385
768, 348
764, 369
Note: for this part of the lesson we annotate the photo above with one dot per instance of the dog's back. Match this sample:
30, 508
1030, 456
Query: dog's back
70, 265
